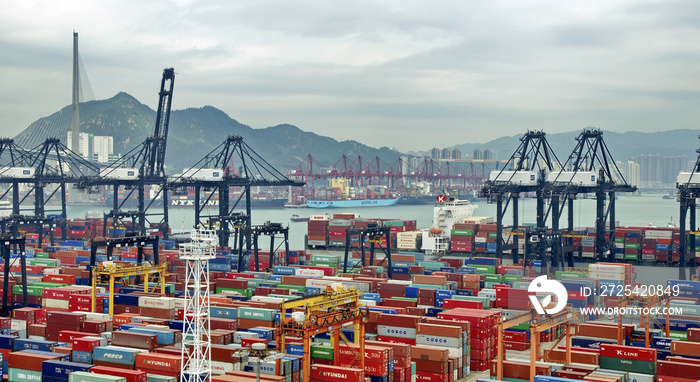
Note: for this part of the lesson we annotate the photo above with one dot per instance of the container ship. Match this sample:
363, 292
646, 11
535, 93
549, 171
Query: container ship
182, 200
341, 195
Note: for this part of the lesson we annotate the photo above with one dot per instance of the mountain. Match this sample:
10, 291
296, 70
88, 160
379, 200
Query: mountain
622, 146
194, 132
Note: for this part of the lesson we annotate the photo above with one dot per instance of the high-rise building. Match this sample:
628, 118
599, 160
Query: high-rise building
632, 173
435, 153
456, 154
488, 154
478, 154
445, 154
93, 147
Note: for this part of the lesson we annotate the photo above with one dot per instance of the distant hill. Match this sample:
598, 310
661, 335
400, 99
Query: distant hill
622, 146
195, 132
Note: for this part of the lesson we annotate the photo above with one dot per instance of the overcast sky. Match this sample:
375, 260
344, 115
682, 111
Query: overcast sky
404, 74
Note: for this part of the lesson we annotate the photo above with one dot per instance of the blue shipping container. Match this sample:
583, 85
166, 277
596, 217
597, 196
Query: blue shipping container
61, 369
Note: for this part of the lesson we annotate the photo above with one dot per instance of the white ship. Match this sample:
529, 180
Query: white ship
437, 239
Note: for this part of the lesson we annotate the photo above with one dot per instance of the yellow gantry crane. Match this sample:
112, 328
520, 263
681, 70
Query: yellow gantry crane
538, 324
327, 312
112, 272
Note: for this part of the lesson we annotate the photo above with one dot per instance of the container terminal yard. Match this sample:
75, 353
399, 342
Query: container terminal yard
115, 298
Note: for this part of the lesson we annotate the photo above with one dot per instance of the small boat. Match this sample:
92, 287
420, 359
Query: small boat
297, 218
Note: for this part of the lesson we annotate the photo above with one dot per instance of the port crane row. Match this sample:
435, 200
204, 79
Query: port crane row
48, 168
590, 169
465, 174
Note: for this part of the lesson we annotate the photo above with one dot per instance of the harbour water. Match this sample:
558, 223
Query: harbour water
641, 210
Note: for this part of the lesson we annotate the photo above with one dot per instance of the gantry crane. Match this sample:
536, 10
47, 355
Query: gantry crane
111, 272
373, 235
327, 312
143, 166
50, 163
589, 169
688, 185
524, 172
538, 324
232, 164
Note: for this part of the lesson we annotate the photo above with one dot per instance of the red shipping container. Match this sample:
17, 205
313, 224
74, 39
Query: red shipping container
685, 348
693, 334
451, 304
677, 369
423, 376
130, 375
248, 341
134, 340
628, 352
67, 318
85, 344
70, 335
96, 326
372, 353
336, 374
158, 362
401, 320
28, 361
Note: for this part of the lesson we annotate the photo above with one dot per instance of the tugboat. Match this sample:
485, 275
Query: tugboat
297, 218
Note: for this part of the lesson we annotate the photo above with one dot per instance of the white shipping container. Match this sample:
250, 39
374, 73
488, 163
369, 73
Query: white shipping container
688, 178
606, 268
308, 272
478, 220
103, 341
220, 368
274, 300
124, 173
608, 276
17, 172
658, 234
167, 303
319, 217
16, 325
523, 178
206, 174
636, 377
367, 303
55, 303
578, 178
588, 254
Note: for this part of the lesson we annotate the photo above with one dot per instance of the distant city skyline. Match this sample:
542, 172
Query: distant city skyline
406, 75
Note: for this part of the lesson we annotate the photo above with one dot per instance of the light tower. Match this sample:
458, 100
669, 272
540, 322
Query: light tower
196, 355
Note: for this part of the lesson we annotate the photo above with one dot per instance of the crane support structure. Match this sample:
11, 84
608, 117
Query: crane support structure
373, 235
268, 229
324, 313
538, 325
140, 242
8, 243
114, 272
196, 347
688, 194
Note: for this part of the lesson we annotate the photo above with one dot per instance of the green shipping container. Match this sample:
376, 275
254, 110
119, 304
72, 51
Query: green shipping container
243, 292
31, 290
326, 258
322, 352
619, 239
570, 275
41, 255
324, 264
432, 264
485, 269
256, 313
392, 223
462, 232
160, 378
631, 256
493, 234
688, 309
45, 262
298, 288
493, 278
512, 278
633, 365
17, 375
83, 376
678, 335
631, 245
